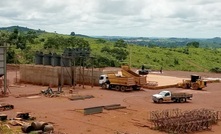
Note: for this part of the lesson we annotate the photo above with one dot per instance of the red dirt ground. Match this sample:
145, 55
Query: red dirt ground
67, 116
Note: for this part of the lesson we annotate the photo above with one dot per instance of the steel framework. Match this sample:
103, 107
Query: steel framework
177, 121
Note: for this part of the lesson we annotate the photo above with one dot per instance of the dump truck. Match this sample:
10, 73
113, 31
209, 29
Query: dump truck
168, 96
119, 83
195, 83
139, 80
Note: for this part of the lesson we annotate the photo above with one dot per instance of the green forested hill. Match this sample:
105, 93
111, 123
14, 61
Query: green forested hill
22, 48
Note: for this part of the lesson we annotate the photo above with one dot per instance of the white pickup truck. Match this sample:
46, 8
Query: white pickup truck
167, 96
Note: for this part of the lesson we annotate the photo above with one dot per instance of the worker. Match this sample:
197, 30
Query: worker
142, 68
161, 70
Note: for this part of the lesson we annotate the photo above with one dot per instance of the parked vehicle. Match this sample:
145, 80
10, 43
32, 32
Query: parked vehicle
167, 96
119, 83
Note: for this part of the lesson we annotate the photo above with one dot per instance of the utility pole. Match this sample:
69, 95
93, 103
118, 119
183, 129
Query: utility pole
130, 56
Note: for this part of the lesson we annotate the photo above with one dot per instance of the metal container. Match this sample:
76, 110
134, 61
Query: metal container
27, 128
38, 125
38, 58
47, 59
48, 128
56, 60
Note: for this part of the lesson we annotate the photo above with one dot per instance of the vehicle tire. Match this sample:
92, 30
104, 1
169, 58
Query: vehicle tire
117, 88
195, 86
174, 100
138, 88
184, 86
181, 100
104, 86
160, 101
134, 87
123, 88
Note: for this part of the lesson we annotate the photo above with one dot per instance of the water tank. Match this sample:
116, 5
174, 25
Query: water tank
55, 60
38, 58
47, 59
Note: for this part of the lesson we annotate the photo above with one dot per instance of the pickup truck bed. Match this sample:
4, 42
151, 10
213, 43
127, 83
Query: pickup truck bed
181, 95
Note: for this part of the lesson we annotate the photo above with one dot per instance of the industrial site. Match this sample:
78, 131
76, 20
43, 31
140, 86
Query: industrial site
73, 99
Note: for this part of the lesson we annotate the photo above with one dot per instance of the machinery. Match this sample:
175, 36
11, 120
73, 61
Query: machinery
195, 83
143, 71
119, 83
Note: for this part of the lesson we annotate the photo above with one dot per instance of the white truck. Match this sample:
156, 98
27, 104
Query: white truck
168, 96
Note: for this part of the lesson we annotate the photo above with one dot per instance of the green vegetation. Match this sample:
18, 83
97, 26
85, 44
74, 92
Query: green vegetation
191, 57
5, 130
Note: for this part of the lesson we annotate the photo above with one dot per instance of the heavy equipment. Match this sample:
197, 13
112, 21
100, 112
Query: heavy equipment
195, 83
119, 83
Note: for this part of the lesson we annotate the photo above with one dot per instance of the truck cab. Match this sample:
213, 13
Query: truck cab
103, 78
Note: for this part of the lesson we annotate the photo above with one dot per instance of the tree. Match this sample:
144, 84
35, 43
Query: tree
119, 53
106, 49
17, 39
3, 37
72, 34
120, 43
30, 36
101, 41
193, 44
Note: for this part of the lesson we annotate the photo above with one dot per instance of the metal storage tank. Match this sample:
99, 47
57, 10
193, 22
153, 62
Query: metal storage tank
55, 60
47, 59
38, 58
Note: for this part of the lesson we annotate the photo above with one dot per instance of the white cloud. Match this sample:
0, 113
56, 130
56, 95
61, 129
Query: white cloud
166, 18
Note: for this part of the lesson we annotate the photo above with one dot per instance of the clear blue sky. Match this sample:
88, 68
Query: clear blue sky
147, 18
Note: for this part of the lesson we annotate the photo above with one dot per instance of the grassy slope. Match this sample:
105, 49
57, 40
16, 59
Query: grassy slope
198, 59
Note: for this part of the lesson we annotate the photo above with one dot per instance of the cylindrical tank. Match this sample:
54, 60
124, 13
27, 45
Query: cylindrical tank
47, 59
27, 128
38, 58
38, 125
48, 128
56, 60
